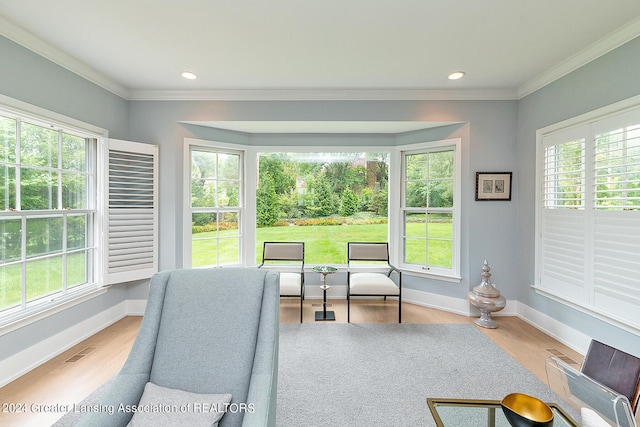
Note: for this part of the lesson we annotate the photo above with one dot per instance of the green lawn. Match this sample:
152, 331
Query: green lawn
326, 244
44, 277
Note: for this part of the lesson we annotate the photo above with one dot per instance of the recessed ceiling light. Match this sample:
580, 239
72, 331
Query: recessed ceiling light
456, 75
189, 75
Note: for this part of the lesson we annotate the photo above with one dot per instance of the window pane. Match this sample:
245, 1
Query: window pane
10, 286
204, 251
416, 194
229, 251
39, 189
74, 153
415, 224
440, 225
564, 175
74, 191
323, 199
203, 164
203, 193
229, 166
77, 268
7, 140
617, 169
417, 166
44, 236
441, 194
440, 252
415, 251
10, 240
76, 232
228, 193
7, 187
441, 164
44, 277
38, 146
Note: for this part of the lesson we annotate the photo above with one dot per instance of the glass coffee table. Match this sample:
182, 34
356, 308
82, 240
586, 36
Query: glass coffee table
477, 413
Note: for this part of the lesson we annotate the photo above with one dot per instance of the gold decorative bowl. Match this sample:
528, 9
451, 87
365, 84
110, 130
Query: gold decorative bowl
522, 410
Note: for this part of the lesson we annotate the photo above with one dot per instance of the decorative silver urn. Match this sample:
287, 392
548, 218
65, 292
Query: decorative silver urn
486, 298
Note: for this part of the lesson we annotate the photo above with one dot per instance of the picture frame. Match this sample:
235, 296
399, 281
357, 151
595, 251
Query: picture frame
493, 186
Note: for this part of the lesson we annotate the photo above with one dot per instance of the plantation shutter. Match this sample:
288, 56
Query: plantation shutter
589, 224
563, 218
616, 189
131, 222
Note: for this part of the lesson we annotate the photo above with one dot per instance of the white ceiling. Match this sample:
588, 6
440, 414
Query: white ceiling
320, 49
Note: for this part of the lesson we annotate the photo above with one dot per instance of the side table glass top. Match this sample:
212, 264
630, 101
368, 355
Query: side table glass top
324, 269
474, 413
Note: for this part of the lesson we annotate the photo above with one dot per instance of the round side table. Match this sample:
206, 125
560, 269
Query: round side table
324, 271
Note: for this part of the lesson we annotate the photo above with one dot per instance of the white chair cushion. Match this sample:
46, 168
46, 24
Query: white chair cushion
372, 284
290, 283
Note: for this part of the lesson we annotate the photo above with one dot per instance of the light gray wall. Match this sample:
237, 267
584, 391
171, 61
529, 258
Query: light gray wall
488, 137
611, 78
30, 78
33, 79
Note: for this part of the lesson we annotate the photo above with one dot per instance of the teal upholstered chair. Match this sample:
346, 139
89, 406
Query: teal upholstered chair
210, 331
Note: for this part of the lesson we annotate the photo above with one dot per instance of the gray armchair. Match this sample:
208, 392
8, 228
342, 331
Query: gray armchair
209, 331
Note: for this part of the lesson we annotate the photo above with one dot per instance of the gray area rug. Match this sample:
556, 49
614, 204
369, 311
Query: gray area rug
366, 375
350, 375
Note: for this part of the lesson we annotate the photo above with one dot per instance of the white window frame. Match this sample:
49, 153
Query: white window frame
440, 273
219, 147
14, 318
579, 289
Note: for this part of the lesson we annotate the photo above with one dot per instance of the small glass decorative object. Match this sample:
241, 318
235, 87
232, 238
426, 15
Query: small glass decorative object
486, 298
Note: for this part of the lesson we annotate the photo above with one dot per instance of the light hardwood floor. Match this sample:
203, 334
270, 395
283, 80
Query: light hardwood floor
63, 382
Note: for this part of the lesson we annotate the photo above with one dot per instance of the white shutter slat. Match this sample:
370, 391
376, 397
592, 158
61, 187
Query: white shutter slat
132, 219
563, 251
616, 266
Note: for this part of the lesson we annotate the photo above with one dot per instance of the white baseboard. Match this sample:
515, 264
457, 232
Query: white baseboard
566, 335
32, 357
136, 307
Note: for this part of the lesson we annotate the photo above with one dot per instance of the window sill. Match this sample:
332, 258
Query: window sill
591, 311
434, 276
12, 322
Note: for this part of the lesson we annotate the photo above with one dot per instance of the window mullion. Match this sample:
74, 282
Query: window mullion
23, 256
58, 170
18, 163
65, 230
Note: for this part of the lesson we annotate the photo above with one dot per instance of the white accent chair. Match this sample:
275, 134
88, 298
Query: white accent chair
287, 255
367, 284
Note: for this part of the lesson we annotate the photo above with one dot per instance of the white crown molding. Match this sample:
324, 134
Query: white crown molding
28, 40
24, 38
614, 40
327, 94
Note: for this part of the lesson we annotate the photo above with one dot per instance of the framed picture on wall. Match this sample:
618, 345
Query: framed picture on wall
493, 186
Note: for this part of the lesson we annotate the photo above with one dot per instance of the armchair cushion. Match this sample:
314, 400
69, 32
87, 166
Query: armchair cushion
372, 284
177, 407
